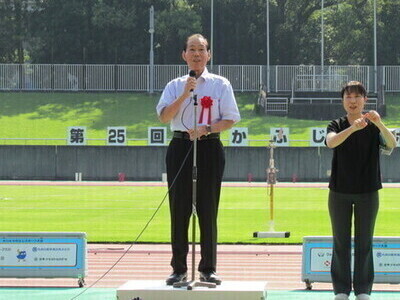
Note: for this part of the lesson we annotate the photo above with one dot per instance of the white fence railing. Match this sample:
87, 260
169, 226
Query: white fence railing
391, 78
72, 77
306, 83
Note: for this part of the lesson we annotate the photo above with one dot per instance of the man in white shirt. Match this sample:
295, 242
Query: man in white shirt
217, 112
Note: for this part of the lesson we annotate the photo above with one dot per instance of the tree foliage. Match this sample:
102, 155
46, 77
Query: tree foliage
117, 31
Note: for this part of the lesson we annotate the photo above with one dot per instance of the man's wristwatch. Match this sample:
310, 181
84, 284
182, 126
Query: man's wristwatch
208, 129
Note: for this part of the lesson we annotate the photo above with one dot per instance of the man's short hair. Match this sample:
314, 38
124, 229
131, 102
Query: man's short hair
196, 35
354, 87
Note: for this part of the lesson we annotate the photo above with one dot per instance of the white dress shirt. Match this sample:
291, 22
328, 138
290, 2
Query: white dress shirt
224, 105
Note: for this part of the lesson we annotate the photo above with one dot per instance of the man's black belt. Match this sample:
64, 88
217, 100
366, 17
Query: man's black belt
184, 135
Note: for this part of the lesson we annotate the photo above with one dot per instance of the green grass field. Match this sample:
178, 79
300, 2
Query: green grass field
47, 116
118, 213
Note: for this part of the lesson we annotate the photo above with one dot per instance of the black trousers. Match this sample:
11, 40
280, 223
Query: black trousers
341, 208
210, 167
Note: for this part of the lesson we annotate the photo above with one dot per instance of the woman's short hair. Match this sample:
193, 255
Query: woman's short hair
354, 87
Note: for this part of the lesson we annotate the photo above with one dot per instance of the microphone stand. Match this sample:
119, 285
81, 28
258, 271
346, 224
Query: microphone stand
193, 283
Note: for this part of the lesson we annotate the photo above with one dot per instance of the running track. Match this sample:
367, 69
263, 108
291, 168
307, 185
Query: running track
158, 183
279, 265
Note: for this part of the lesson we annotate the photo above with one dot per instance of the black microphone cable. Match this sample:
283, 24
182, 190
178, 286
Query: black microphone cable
141, 232
184, 111
191, 74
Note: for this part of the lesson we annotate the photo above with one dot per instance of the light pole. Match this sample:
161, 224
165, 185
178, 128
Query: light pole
268, 67
151, 31
322, 45
375, 53
212, 36
322, 37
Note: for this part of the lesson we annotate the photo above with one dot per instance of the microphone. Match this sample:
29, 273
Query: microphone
192, 74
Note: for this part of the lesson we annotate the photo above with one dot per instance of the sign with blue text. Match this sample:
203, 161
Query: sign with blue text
317, 257
25, 254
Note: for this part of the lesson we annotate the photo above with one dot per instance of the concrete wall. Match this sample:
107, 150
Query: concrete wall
148, 163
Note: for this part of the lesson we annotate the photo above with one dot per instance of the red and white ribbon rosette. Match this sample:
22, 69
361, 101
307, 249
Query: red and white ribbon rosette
206, 103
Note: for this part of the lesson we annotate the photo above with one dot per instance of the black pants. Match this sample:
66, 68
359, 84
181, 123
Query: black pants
341, 208
210, 166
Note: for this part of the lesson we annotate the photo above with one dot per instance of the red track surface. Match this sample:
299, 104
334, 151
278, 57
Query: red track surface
278, 265
159, 183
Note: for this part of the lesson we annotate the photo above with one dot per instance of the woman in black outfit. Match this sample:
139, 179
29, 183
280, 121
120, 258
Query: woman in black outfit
356, 139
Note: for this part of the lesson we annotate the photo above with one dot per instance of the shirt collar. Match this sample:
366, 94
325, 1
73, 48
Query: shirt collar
205, 75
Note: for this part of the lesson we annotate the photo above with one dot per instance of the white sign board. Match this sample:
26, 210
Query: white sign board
38, 255
43, 254
318, 135
385, 260
397, 135
116, 136
280, 136
239, 136
76, 136
157, 136
317, 257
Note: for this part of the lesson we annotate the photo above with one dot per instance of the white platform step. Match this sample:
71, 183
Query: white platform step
158, 290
